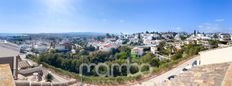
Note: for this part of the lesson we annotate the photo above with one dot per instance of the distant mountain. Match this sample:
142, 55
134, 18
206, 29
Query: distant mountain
84, 33
55, 34
10, 34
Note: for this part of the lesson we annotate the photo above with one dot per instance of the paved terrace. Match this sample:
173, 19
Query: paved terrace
159, 80
8, 49
209, 57
6, 78
206, 75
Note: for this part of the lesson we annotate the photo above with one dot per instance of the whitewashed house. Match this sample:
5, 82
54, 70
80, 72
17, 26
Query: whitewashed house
138, 51
177, 37
154, 50
224, 37
151, 42
230, 36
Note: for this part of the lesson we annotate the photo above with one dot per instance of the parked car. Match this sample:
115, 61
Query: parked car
194, 63
171, 77
184, 69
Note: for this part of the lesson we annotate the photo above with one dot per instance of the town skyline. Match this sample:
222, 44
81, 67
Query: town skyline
115, 42
101, 33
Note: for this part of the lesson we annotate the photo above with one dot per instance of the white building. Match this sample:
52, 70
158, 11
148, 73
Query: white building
199, 36
178, 47
137, 51
151, 42
230, 36
224, 37
177, 37
150, 36
107, 47
154, 50
220, 55
41, 48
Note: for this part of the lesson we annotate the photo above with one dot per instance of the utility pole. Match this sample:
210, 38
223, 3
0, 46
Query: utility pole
81, 83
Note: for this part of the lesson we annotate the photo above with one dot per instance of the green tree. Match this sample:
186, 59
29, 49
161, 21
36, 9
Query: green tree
215, 36
154, 62
177, 56
147, 57
134, 69
99, 56
182, 37
147, 32
108, 35
113, 51
49, 77
90, 48
161, 46
121, 55
84, 52
125, 41
213, 43
124, 49
150, 59
193, 49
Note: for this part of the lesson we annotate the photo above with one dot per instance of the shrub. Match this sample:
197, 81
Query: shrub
49, 77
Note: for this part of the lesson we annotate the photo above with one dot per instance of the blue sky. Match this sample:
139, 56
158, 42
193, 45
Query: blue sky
114, 16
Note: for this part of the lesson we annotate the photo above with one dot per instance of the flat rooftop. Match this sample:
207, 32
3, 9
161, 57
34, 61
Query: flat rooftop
8, 50
6, 78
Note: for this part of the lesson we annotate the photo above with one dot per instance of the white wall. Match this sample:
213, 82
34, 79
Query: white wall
221, 55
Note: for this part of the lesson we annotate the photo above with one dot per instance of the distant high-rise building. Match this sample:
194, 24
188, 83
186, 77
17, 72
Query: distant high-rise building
195, 32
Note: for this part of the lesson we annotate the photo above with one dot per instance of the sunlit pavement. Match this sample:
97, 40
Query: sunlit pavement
158, 81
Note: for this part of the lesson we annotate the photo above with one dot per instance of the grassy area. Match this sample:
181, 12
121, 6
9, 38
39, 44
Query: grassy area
115, 80
94, 79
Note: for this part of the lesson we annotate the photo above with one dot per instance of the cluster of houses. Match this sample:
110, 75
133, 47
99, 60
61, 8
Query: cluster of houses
106, 45
152, 40
43, 45
138, 41
203, 39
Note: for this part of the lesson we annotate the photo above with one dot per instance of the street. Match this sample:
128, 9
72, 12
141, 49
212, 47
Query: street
158, 81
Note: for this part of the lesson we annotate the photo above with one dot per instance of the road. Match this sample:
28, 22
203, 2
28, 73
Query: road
158, 81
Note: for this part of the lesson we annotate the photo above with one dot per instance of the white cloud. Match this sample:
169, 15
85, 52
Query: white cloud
219, 20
